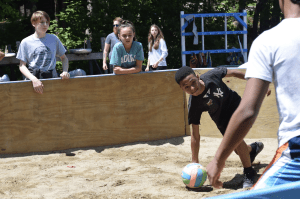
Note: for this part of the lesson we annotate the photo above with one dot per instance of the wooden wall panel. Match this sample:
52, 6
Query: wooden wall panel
91, 111
266, 124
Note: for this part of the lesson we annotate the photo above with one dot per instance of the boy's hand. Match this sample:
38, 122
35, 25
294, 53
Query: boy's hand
65, 75
214, 170
269, 92
38, 86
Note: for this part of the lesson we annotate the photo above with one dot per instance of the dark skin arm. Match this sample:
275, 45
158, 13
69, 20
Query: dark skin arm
240, 75
238, 127
195, 143
235, 73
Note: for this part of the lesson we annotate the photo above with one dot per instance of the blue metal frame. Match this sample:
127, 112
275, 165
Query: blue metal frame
237, 16
214, 51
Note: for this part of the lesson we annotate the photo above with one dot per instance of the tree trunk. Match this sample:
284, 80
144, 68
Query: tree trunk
259, 6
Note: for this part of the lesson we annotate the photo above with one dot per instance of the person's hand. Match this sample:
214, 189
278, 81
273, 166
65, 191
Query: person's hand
155, 65
38, 86
65, 75
269, 92
214, 170
104, 66
147, 68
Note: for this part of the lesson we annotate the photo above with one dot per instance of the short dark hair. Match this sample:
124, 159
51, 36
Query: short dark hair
296, 1
182, 73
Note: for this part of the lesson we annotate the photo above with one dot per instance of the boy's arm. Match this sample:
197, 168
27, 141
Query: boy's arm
119, 70
238, 127
195, 143
235, 73
65, 66
37, 84
241, 75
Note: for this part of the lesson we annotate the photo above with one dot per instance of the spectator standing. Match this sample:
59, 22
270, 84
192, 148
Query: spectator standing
128, 55
110, 42
157, 50
39, 51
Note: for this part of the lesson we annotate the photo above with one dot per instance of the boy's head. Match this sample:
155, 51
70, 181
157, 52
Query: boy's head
189, 81
38, 16
40, 20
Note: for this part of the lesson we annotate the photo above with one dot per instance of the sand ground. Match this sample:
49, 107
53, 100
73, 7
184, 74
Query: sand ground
137, 170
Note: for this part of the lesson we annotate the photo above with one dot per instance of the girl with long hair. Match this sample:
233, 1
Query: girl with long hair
157, 49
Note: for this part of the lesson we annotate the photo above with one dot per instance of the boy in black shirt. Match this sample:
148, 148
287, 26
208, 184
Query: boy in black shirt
210, 93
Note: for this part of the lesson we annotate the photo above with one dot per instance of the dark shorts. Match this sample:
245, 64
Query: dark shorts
226, 117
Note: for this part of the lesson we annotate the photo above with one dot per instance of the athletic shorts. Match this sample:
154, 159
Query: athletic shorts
284, 168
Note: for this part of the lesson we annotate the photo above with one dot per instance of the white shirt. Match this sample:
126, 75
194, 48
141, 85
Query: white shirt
275, 56
155, 55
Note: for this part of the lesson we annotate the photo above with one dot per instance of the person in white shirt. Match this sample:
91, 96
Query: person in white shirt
157, 50
274, 56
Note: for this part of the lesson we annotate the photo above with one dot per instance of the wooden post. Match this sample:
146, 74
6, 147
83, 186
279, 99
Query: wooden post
88, 43
102, 43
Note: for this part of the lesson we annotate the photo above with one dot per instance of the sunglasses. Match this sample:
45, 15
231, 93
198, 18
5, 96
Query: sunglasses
116, 25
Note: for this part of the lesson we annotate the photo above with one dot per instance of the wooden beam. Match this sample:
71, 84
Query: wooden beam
71, 57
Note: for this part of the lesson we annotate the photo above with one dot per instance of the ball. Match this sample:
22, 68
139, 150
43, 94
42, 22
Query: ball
194, 175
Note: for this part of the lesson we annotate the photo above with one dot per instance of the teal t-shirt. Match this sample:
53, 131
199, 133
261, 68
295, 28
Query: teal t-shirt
121, 58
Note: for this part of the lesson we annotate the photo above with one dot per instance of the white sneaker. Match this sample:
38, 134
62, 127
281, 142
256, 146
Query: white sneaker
247, 182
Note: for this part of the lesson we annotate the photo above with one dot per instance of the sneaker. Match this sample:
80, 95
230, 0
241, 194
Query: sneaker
257, 147
249, 174
247, 182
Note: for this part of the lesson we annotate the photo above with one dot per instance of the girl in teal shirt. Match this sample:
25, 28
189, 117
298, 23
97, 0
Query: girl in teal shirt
127, 56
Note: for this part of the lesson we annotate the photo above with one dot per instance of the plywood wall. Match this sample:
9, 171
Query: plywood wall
107, 110
91, 111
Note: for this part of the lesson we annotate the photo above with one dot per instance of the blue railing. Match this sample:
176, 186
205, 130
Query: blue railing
184, 23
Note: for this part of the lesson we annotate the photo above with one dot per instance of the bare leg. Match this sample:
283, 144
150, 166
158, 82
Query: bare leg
243, 152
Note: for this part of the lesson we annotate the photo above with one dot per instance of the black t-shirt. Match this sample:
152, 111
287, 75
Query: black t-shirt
219, 100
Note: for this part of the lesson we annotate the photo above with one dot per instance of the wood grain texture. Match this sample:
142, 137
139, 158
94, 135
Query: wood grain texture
91, 111
266, 124
71, 57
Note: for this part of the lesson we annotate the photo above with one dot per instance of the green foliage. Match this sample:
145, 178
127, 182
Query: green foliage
8, 10
70, 29
72, 24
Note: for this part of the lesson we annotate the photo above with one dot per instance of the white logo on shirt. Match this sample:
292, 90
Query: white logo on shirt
219, 93
128, 58
208, 92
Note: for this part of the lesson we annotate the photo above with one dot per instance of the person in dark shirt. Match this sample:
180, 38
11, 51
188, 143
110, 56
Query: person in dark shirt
209, 93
